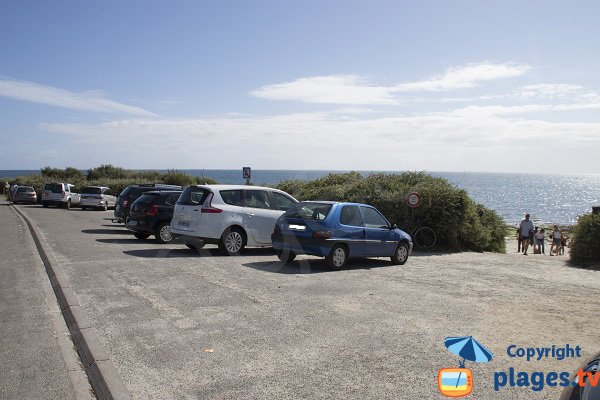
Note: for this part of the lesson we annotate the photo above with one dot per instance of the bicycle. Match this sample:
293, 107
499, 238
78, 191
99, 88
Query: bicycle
423, 236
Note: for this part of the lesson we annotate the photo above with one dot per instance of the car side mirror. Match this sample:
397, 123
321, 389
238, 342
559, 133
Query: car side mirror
393, 226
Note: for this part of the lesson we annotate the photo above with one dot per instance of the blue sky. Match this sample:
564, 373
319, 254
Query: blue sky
504, 86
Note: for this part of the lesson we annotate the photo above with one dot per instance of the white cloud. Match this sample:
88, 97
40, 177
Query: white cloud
466, 76
333, 89
88, 101
354, 90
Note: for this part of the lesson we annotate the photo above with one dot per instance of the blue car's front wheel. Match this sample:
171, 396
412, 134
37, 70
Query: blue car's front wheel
401, 254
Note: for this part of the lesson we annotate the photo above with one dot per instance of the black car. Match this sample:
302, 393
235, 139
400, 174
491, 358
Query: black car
131, 193
151, 214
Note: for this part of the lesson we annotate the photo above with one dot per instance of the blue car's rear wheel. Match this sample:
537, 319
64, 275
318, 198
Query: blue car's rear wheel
338, 257
286, 256
401, 254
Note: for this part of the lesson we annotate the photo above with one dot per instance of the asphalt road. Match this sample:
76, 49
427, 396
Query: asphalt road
183, 324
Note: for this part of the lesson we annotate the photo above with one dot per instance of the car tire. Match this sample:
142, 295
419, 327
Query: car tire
401, 254
286, 256
44, 205
141, 235
162, 233
83, 208
232, 241
338, 257
68, 204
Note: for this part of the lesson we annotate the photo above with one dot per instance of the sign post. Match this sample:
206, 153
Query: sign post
247, 174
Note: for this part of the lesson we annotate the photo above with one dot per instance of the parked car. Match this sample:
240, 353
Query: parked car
338, 231
131, 193
591, 369
231, 216
25, 194
100, 197
60, 194
151, 214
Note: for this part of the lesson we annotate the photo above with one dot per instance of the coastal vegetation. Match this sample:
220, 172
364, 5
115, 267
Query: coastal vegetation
106, 175
459, 222
586, 236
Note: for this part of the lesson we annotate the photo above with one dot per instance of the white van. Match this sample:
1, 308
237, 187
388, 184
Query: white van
231, 216
60, 194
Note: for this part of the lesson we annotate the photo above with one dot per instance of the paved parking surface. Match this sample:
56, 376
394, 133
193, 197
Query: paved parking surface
183, 324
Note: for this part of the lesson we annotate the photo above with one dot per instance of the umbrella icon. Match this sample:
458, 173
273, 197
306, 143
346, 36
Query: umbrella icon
468, 349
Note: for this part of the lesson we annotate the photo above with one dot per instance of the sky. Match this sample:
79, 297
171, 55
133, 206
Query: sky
488, 86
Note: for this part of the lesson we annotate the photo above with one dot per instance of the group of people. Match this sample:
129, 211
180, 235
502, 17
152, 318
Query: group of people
10, 190
528, 234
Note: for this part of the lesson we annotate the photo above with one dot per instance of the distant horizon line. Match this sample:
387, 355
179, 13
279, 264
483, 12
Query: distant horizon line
330, 170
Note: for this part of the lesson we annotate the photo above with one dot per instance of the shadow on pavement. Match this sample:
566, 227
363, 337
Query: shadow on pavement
125, 241
107, 231
316, 265
185, 252
167, 253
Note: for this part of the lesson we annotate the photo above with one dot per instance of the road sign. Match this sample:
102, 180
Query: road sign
413, 199
246, 172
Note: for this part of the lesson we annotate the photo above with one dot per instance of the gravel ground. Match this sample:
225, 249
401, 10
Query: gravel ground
182, 324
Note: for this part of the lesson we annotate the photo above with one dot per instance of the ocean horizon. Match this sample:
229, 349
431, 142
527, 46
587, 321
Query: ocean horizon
549, 198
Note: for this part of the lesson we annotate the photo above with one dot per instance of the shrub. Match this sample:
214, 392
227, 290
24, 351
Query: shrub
586, 236
458, 222
106, 172
116, 178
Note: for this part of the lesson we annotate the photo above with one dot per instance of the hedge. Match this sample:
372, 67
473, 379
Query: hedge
585, 247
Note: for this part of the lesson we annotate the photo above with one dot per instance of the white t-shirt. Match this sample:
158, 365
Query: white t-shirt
539, 235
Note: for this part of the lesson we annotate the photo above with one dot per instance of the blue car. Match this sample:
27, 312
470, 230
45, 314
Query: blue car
338, 231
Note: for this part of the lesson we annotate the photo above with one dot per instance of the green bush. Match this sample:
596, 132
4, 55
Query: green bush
106, 175
585, 246
458, 222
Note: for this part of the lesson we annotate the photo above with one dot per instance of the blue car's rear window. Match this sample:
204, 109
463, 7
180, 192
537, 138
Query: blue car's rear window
309, 210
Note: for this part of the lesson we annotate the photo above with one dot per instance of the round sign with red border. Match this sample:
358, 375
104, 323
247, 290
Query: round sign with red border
413, 199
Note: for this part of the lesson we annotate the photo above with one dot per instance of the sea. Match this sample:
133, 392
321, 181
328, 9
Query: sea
550, 199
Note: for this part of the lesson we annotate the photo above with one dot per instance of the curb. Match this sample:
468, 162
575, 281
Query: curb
96, 361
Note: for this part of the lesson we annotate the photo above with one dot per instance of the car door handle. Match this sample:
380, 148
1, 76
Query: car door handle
250, 214
196, 209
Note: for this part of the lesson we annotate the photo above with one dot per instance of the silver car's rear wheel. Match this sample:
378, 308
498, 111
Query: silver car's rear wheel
232, 242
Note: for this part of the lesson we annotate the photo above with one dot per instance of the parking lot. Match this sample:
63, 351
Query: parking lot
179, 323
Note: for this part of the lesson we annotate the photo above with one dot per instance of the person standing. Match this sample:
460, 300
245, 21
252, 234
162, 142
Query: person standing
519, 240
526, 227
539, 240
556, 240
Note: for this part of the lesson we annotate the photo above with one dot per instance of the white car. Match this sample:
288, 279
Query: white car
59, 194
231, 216
97, 197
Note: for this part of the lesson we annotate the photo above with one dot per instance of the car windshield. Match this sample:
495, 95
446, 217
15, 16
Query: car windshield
23, 189
91, 190
316, 211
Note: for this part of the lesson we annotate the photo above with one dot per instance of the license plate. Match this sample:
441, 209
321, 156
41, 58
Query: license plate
294, 227
184, 223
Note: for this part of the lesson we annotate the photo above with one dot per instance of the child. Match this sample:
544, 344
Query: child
556, 236
539, 240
